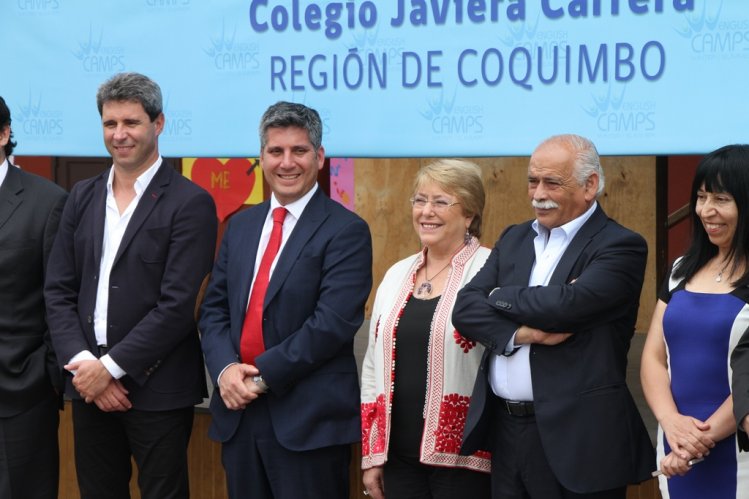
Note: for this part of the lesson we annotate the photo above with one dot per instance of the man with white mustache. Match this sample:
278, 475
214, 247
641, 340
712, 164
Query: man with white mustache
555, 305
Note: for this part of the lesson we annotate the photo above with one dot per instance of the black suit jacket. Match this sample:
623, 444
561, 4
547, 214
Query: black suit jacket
312, 310
740, 386
165, 253
590, 428
30, 209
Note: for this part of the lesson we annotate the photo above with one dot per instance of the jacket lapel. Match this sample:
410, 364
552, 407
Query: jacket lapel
99, 213
250, 239
11, 194
147, 202
312, 217
572, 254
525, 258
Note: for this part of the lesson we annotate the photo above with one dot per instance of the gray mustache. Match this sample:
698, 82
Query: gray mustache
544, 205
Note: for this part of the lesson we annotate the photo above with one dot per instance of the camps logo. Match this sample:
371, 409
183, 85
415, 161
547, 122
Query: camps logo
178, 123
448, 119
369, 44
712, 38
614, 115
35, 121
229, 55
95, 57
167, 4
37, 6
527, 36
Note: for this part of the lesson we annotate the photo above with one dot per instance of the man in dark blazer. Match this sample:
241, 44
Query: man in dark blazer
556, 305
134, 244
287, 413
740, 389
30, 382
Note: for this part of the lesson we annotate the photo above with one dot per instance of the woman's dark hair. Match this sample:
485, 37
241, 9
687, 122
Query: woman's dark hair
723, 170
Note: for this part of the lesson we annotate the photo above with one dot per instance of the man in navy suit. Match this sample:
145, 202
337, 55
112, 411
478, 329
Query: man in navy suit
30, 381
134, 245
287, 412
556, 305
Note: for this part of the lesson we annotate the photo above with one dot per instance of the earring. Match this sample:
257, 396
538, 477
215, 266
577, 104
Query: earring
467, 238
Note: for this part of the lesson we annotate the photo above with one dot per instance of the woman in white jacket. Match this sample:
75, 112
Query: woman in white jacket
415, 395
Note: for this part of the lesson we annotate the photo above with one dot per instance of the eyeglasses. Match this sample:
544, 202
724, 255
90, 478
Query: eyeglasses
438, 205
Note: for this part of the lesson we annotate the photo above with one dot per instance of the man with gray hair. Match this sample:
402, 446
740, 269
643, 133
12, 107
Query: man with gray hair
134, 245
285, 300
555, 305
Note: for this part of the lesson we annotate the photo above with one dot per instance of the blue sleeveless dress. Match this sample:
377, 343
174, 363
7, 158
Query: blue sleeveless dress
700, 331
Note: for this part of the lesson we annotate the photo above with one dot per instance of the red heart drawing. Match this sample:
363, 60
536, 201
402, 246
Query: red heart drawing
229, 183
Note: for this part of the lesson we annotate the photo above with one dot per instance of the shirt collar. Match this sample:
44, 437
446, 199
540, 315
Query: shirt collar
143, 179
571, 227
297, 207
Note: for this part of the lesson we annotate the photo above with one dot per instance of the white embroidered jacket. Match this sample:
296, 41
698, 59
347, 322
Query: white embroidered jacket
452, 366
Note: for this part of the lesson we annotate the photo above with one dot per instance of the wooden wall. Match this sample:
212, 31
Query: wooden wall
383, 187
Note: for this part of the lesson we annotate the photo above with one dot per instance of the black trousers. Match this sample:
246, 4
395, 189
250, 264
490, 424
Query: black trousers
520, 469
407, 478
258, 467
29, 453
105, 442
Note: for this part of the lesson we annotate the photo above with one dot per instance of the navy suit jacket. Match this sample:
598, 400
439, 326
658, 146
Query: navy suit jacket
312, 310
740, 386
165, 253
30, 209
590, 428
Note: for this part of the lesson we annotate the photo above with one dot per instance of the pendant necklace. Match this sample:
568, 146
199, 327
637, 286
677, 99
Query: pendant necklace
426, 287
719, 275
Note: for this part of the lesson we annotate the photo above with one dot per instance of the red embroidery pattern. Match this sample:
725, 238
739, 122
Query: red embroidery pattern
463, 342
373, 419
452, 422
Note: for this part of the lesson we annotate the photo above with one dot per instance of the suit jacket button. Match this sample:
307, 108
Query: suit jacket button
89, 319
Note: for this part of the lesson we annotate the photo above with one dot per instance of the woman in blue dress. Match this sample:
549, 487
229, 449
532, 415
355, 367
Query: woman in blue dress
702, 311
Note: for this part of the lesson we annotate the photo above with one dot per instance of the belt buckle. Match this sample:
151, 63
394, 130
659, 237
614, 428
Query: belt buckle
520, 409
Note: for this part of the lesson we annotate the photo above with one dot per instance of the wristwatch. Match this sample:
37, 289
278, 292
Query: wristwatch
259, 381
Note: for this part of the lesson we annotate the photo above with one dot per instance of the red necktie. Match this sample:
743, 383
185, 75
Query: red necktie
251, 344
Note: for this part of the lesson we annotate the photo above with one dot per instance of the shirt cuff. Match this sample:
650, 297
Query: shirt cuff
510, 348
218, 379
83, 355
111, 366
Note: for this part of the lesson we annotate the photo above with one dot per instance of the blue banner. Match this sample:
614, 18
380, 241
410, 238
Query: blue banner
390, 78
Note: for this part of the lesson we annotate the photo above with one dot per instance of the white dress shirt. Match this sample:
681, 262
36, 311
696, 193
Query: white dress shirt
294, 211
510, 376
115, 225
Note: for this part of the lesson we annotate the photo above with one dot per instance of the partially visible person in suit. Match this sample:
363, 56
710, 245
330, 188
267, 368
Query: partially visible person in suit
285, 300
415, 391
702, 311
740, 390
30, 381
134, 244
555, 306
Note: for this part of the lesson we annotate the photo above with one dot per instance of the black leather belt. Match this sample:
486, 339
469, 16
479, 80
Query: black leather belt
103, 349
516, 408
